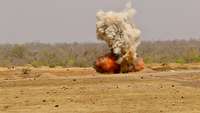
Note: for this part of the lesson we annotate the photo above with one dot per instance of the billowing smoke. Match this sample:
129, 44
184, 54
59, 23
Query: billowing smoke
121, 35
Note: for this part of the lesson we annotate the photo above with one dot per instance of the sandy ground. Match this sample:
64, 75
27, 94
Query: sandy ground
79, 90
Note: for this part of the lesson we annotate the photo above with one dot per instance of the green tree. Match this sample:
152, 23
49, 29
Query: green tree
18, 51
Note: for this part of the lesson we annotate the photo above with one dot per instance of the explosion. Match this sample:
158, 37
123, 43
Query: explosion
122, 37
107, 64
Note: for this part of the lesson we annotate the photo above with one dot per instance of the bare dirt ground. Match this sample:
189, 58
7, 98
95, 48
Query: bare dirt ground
157, 89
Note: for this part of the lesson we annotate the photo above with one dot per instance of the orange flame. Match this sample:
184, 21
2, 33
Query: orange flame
107, 64
139, 64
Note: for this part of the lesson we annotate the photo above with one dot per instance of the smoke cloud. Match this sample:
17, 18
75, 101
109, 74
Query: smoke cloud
120, 33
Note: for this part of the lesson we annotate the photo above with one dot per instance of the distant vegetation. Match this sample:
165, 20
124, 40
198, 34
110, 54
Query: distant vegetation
178, 51
84, 54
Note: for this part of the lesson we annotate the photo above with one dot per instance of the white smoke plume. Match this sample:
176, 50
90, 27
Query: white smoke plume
120, 33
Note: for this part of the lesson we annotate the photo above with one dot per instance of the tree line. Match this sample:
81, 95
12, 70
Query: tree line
84, 54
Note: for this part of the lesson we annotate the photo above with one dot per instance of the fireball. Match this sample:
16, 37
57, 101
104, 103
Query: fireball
107, 64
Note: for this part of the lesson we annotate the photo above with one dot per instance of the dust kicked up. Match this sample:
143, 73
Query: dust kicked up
123, 37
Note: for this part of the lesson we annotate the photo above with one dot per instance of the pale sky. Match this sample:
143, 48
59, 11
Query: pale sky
74, 20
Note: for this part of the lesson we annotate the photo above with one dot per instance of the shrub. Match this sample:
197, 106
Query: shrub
196, 59
26, 71
36, 64
180, 61
52, 65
